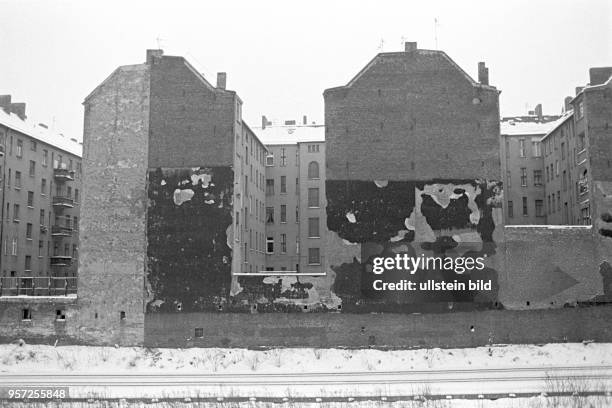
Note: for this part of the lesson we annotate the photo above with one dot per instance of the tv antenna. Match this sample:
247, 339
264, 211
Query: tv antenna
159, 42
436, 31
381, 46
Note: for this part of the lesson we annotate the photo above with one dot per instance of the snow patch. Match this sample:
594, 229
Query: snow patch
351, 217
180, 196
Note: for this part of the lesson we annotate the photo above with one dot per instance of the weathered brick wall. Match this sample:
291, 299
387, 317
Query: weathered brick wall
412, 116
43, 327
113, 220
191, 122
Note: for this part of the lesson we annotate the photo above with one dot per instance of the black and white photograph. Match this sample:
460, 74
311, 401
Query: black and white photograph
318, 204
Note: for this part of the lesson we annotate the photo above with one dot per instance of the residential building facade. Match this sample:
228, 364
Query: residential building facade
41, 174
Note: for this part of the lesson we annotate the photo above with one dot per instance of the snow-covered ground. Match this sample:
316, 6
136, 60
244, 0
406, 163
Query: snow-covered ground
26, 358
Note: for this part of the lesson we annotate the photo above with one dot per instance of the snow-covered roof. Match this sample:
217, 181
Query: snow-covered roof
41, 133
291, 134
519, 126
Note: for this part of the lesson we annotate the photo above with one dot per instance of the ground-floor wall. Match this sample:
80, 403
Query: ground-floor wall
388, 330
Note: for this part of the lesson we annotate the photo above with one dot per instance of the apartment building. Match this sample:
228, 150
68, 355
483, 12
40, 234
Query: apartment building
523, 168
41, 191
295, 200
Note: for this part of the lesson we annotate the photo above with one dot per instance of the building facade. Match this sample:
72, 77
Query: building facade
41, 194
523, 168
295, 199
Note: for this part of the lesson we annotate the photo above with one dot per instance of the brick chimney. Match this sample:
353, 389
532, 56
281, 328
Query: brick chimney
153, 56
598, 76
538, 111
221, 80
483, 73
264, 121
305, 120
5, 102
18, 109
567, 102
410, 46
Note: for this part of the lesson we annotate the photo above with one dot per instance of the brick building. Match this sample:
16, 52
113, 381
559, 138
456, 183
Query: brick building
523, 167
41, 193
295, 200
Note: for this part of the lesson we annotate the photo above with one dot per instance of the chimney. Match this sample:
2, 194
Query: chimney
598, 76
538, 111
410, 46
221, 80
483, 73
305, 120
5, 102
567, 102
18, 109
264, 121
153, 56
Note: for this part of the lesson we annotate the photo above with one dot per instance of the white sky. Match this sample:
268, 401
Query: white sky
281, 55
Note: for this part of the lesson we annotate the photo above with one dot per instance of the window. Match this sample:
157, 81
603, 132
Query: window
75, 251
43, 186
313, 170
548, 204
17, 179
313, 227
558, 200
297, 214
313, 148
199, 332
283, 213
510, 209
283, 186
522, 147
28, 263
313, 197
581, 110
562, 151
537, 149
270, 215
564, 181
581, 142
33, 145
314, 256
14, 246
539, 208
270, 160
525, 209
508, 178
283, 157
19, 153
585, 216
523, 177
29, 230
60, 315
30, 199
269, 186
26, 314
16, 212
41, 248
42, 217
75, 223
557, 168
553, 203
547, 174
537, 177
270, 245
32, 168
45, 157
284, 243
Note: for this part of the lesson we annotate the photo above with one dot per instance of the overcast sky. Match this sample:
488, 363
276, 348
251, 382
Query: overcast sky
280, 55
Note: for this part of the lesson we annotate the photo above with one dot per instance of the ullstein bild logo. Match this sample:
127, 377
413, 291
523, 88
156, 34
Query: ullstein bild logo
411, 265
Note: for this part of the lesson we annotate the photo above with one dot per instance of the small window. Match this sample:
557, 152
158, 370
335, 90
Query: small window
33, 145
270, 245
26, 314
270, 215
30, 199
60, 315
283, 243
19, 153
283, 213
43, 186
199, 332
269, 186
270, 160
32, 168
76, 195
122, 315
313, 170
525, 209
313, 197
510, 209
283, 186
523, 177
17, 179
314, 257
539, 208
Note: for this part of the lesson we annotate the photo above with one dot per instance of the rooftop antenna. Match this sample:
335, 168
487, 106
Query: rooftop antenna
436, 31
381, 46
159, 41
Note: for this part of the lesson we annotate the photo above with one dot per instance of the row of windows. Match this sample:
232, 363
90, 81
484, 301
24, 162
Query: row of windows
57, 160
57, 249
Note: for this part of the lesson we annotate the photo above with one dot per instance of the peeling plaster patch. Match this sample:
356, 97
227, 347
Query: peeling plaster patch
351, 217
163, 182
204, 178
180, 196
347, 242
229, 233
400, 235
409, 221
442, 194
209, 201
381, 183
157, 303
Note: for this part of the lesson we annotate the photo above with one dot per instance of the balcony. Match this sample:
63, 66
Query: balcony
62, 175
61, 231
37, 286
61, 260
63, 202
